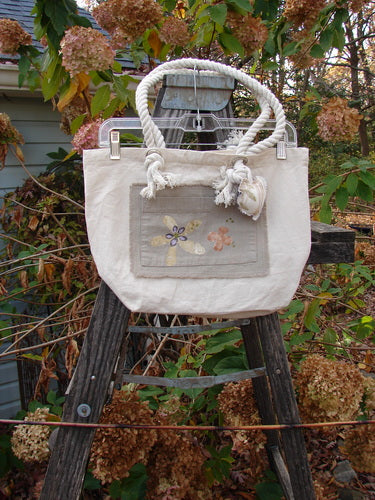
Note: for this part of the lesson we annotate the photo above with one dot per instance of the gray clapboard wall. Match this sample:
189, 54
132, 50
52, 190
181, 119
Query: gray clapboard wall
9, 388
40, 127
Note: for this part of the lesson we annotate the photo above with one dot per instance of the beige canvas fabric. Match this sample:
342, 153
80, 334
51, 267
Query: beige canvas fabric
180, 253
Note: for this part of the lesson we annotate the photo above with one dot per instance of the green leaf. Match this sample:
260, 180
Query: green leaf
339, 39
116, 66
270, 65
132, 487
351, 183
269, 491
218, 13
325, 213
368, 178
222, 340
317, 51
230, 364
24, 64
57, 13
342, 197
326, 39
231, 43
313, 311
100, 99
330, 337
91, 483
364, 191
290, 49
170, 5
76, 123
243, 4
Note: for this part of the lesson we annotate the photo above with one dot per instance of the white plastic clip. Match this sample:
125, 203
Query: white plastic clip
281, 150
114, 142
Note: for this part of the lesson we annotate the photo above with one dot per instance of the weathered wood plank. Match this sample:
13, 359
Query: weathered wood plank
331, 244
262, 395
285, 405
68, 462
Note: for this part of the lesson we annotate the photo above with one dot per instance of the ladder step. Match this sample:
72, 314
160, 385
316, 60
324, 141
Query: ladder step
195, 382
189, 329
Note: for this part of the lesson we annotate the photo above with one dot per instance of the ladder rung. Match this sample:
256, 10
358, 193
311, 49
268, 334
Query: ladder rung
184, 330
195, 382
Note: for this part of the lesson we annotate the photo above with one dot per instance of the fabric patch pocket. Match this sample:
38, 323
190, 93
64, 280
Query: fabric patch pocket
182, 233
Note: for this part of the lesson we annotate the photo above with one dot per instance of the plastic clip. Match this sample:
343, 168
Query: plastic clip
114, 142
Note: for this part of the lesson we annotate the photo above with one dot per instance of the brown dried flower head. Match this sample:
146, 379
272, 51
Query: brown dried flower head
303, 12
12, 36
115, 451
129, 18
30, 442
359, 445
8, 135
249, 30
329, 390
337, 121
238, 405
175, 466
174, 32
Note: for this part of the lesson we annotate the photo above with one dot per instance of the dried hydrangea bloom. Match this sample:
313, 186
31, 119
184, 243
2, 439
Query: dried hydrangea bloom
115, 451
328, 390
30, 442
128, 17
238, 405
12, 36
84, 50
87, 136
359, 445
174, 32
8, 135
337, 121
175, 466
303, 12
369, 395
249, 30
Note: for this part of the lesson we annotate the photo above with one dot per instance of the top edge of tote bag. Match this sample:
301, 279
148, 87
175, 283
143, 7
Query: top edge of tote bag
208, 233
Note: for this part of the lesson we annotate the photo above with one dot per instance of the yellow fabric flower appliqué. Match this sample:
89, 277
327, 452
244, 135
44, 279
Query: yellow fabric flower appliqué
177, 236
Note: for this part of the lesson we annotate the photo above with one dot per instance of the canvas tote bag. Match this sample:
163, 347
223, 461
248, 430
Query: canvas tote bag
209, 233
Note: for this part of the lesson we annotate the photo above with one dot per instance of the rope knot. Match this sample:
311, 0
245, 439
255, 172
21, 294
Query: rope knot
154, 163
238, 186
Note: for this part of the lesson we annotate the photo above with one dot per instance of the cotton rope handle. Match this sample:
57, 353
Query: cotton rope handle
237, 183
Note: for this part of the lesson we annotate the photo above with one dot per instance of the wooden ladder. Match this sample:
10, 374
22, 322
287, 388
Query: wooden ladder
104, 346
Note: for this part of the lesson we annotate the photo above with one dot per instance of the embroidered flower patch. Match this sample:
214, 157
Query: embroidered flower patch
220, 238
177, 237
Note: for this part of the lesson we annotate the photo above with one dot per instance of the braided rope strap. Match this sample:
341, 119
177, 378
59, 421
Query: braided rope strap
237, 184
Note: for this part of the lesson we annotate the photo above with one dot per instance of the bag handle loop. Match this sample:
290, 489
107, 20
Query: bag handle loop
237, 184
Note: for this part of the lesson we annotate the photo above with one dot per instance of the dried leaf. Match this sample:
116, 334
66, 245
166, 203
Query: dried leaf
19, 153
155, 43
47, 372
67, 275
49, 271
40, 273
24, 279
33, 223
71, 356
17, 215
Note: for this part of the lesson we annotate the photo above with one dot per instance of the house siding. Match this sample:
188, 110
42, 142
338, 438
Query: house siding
40, 127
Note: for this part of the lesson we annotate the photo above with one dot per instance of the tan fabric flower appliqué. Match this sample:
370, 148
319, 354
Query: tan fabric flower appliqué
177, 236
220, 238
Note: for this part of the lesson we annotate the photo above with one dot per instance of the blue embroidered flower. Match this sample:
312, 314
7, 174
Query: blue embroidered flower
176, 235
